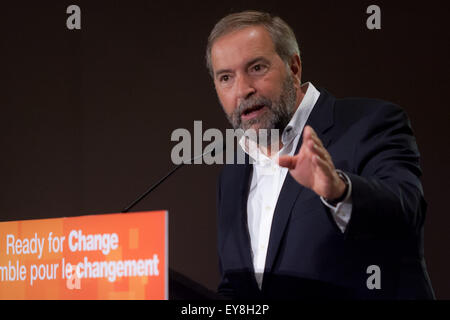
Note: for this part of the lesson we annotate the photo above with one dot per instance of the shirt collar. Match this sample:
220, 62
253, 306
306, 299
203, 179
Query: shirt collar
298, 120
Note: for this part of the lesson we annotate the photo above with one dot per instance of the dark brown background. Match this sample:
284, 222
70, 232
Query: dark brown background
86, 116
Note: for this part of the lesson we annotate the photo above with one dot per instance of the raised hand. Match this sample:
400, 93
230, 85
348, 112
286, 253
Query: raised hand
313, 167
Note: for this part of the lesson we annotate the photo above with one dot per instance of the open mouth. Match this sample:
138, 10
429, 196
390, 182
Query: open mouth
252, 111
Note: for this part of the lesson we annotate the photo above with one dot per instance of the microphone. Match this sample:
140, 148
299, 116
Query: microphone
153, 187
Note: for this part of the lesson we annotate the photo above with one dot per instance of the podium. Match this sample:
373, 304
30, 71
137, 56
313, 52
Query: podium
106, 256
182, 287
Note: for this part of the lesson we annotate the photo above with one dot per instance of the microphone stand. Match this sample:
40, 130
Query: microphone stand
153, 187
135, 202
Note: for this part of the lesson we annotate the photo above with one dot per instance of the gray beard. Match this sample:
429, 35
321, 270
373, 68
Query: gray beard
277, 117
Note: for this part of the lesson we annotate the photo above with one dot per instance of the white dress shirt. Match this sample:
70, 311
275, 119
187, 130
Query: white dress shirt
268, 178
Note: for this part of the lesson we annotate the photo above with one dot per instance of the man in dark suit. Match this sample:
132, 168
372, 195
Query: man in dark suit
337, 209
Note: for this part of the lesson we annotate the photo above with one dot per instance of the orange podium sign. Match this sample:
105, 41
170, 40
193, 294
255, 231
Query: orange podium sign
107, 256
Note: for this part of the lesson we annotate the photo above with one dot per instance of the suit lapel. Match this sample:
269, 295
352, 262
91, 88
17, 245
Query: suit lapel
320, 119
245, 249
238, 243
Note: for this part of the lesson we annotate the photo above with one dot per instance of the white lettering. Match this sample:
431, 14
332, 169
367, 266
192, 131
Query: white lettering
74, 20
374, 281
33, 245
93, 242
373, 21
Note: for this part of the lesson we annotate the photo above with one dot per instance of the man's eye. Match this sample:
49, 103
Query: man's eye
224, 78
258, 68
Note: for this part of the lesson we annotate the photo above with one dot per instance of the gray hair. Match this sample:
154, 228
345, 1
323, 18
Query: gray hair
282, 35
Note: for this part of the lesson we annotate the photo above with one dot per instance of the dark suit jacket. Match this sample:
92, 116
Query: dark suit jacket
308, 256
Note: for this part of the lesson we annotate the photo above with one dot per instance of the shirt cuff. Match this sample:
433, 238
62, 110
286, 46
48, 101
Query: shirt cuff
343, 210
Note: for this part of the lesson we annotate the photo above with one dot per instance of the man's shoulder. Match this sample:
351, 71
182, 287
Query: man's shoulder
354, 108
360, 116
359, 108
365, 105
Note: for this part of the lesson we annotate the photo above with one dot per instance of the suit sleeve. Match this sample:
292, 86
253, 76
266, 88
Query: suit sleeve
387, 193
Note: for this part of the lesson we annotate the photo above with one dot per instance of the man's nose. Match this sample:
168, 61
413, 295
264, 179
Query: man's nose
244, 87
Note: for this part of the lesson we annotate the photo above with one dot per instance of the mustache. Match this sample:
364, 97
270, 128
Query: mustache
251, 103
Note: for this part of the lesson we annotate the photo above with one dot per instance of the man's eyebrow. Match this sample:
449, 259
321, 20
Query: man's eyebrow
257, 59
248, 64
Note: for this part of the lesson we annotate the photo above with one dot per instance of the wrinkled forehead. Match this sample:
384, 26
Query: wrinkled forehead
240, 46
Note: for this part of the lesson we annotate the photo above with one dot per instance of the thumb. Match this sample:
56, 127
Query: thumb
287, 162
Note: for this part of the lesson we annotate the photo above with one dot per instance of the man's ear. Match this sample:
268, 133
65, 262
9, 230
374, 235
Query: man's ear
295, 66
